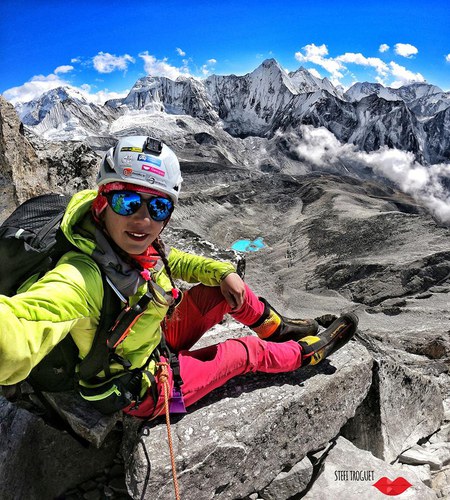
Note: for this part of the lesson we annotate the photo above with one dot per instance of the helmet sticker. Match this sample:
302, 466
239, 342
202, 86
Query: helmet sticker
134, 150
154, 170
126, 160
150, 159
127, 172
139, 175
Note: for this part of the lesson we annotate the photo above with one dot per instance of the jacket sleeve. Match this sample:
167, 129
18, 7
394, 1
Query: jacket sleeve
33, 322
196, 269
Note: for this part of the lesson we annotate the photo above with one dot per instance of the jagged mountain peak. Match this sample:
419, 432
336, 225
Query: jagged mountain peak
270, 69
61, 94
405, 93
34, 111
304, 81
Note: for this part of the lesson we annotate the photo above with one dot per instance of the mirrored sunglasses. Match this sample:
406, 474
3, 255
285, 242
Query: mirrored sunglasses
129, 202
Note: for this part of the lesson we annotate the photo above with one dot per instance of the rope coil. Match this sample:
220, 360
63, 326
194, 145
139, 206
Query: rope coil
164, 379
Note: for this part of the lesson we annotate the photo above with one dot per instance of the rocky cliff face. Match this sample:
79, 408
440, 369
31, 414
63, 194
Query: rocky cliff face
21, 171
333, 243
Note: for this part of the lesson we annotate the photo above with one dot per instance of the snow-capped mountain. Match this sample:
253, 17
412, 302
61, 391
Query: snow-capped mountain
65, 114
263, 105
247, 104
33, 112
423, 99
185, 96
305, 82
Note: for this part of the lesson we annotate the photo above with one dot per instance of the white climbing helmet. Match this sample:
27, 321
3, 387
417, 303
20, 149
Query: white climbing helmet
143, 161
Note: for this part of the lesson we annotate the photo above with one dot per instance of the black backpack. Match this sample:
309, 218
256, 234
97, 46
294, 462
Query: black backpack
31, 243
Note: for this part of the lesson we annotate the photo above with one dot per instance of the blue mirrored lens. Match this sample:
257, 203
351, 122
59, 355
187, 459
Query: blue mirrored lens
159, 208
125, 203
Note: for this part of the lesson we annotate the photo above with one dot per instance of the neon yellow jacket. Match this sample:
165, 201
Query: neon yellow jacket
68, 299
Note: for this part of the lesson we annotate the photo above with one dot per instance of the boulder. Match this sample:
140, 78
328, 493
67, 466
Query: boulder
418, 455
402, 407
441, 483
422, 471
351, 473
288, 483
81, 417
38, 461
259, 426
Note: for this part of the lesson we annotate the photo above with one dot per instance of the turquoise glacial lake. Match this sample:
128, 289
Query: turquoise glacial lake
248, 245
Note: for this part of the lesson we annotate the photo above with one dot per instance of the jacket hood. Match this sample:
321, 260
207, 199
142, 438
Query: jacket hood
75, 220
79, 228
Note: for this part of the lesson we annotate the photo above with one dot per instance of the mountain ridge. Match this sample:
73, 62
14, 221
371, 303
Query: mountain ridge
262, 103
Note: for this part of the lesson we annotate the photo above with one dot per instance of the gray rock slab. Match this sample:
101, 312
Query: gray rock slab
350, 473
423, 472
441, 483
85, 420
38, 461
442, 450
403, 406
442, 435
418, 455
241, 437
288, 483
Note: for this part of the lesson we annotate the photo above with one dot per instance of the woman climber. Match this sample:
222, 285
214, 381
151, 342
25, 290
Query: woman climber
116, 234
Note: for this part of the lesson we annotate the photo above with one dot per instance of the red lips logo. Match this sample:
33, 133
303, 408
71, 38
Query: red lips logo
392, 488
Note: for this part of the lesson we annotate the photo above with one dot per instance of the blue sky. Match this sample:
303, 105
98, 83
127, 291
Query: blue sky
103, 47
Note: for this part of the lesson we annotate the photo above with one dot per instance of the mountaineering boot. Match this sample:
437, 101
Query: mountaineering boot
274, 327
316, 348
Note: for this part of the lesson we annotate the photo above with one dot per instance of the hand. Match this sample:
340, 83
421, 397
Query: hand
233, 289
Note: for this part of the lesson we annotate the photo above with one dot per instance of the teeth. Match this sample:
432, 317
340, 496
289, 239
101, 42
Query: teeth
137, 235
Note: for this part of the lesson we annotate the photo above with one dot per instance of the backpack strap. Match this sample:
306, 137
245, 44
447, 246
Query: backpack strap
111, 331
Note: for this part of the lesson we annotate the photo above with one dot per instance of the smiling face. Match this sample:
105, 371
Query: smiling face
132, 233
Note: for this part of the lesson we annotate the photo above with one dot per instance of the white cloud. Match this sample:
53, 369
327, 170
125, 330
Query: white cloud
63, 69
391, 74
384, 47
403, 75
160, 67
208, 67
447, 57
40, 84
181, 52
321, 148
107, 63
315, 73
102, 96
33, 88
381, 67
405, 49
316, 55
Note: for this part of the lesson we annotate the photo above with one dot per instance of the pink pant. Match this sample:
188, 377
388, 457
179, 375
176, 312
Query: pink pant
205, 369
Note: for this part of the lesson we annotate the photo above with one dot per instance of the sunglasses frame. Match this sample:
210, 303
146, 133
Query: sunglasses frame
109, 197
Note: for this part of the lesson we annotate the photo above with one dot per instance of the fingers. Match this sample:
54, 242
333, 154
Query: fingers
231, 301
233, 290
